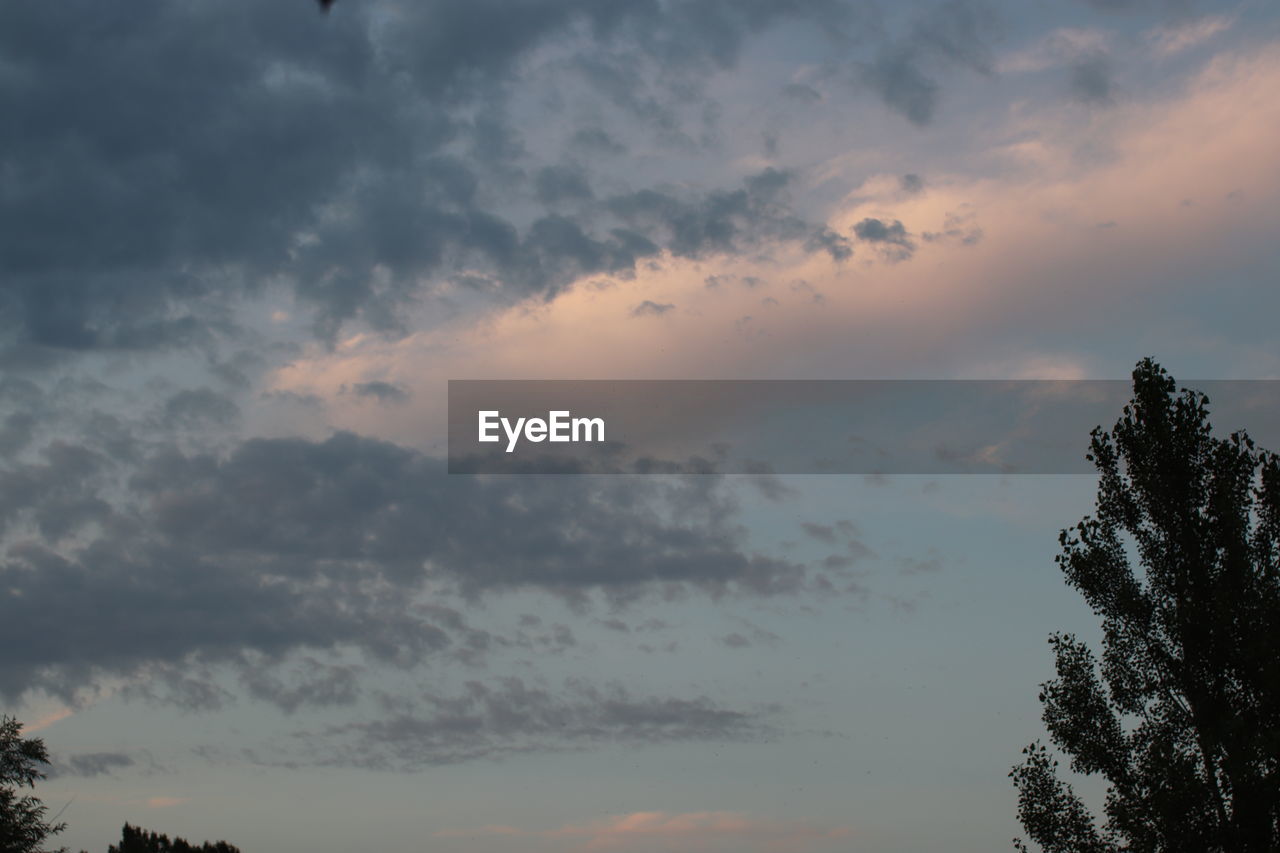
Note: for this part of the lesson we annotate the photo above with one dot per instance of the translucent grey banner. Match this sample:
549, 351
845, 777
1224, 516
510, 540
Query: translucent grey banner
808, 426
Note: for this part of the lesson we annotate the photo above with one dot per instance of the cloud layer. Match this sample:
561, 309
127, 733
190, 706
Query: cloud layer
290, 544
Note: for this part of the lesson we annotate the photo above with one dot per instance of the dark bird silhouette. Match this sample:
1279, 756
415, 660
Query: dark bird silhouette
324, 5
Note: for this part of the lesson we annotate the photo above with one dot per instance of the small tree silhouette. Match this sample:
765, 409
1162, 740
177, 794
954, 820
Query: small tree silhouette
1182, 714
23, 828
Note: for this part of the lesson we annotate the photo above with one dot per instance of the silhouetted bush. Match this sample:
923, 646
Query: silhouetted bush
137, 840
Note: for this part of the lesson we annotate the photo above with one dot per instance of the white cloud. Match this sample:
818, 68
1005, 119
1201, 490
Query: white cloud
1059, 47
1169, 40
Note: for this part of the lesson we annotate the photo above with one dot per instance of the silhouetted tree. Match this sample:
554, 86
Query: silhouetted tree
137, 840
23, 828
1181, 715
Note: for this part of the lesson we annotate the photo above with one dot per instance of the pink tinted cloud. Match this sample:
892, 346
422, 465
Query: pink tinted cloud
165, 802
46, 720
1077, 220
676, 832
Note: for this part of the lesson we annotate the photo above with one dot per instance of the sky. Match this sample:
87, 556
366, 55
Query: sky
244, 245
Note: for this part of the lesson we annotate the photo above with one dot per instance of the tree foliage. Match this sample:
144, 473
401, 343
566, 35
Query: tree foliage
137, 840
23, 828
1180, 713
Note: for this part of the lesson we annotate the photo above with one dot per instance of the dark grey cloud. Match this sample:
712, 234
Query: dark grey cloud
200, 407
958, 227
658, 74
162, 160
288, 545
1177, 7
383, 392
693, 225
649, 308
897, 78
311, 683
959, 31
762, 477
16, 432
714, 281
56, 494
834, 244
911, 183
891, 237
947, 35
365, 500
822, 532
802, 93
192, 685
879, 231
555, 184
91, 764
920, 565
129, 182
595, 140
558, 248
711, 33
1091, 79
510, 716
843, 532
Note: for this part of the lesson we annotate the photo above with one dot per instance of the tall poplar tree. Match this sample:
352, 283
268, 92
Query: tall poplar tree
1180, 711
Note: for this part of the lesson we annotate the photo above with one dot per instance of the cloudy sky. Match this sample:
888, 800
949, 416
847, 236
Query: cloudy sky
244, 245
